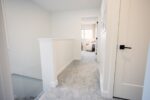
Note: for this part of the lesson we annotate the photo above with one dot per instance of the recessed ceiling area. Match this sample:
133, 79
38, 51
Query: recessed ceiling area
66, 5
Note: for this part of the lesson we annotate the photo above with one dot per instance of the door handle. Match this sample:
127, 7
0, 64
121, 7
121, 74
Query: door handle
122, 47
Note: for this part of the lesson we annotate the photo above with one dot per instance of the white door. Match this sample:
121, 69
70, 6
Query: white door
134, 32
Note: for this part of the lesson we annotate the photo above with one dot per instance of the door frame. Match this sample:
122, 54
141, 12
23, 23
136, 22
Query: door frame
111, 17
115, 7
5, 74
115, 24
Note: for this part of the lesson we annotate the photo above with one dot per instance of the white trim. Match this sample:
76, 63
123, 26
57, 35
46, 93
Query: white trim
5, 22
1, 84
63, 67
52, 84
105, 94
5, 77
55, 83
110, 18
113, 30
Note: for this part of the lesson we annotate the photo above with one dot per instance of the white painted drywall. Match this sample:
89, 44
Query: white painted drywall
56, 55
68, 24
67, 5
26, 22
63, 54
6, 92
146, 90
26, 87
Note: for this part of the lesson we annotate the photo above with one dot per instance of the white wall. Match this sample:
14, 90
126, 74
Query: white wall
26, 87
56, 55
68, 24
32, 22
26, 22
5, 79
146, 90
63, 54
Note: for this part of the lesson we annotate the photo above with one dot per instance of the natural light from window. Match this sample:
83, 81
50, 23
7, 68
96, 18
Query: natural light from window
87, 34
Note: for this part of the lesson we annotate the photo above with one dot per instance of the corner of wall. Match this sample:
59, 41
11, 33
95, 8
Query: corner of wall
64, 66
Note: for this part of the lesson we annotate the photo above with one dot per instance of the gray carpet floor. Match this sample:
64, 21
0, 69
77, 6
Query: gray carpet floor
79, 81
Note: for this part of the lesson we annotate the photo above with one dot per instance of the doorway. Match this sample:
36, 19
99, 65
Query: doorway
89, 35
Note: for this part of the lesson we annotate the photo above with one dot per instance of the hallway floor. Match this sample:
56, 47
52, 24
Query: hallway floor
80, 81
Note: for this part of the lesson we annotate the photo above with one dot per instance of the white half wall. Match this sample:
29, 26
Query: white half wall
26, 22
56, 55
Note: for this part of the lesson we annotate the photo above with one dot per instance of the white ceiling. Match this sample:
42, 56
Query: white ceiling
65, 5
89, 20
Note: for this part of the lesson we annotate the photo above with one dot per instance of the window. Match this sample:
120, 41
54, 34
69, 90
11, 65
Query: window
87, 34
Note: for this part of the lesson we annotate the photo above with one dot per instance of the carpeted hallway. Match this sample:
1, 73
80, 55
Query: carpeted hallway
80, 81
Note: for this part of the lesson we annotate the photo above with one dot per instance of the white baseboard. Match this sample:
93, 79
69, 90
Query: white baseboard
51, 84
64, 66
54, 84
104, 93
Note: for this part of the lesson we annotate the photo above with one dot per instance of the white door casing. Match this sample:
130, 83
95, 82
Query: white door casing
134, 31
6, 91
